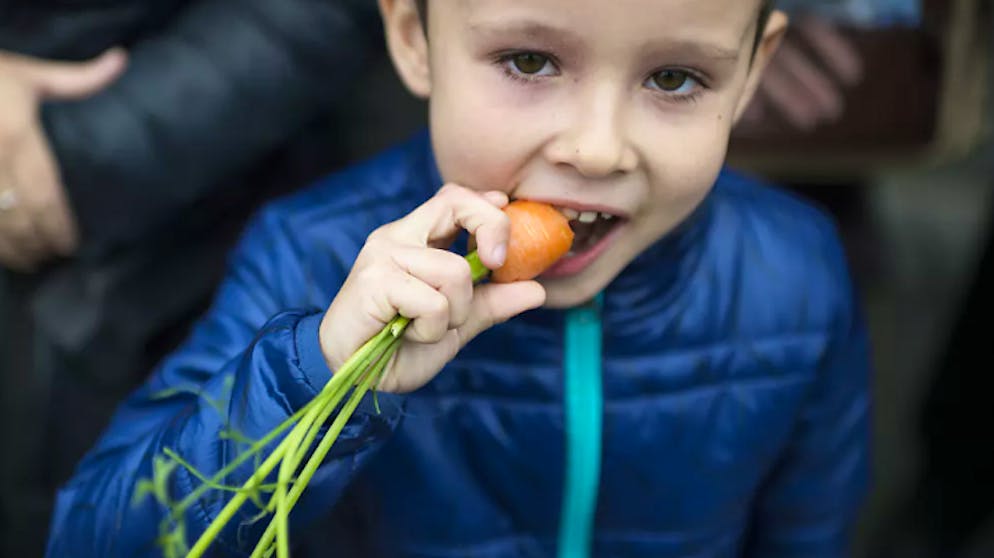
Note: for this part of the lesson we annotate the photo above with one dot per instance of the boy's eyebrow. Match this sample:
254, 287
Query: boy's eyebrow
695, 49
530, 29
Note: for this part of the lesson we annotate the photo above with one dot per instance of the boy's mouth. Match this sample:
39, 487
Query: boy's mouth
593, 232
589, 227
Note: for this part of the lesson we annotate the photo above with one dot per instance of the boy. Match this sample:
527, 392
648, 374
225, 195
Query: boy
727, 415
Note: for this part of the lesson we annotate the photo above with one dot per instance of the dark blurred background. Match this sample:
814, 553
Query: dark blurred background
907, 168
880, 110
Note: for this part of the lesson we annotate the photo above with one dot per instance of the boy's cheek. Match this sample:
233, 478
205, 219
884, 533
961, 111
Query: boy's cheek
479, 145
683, 168
697, 136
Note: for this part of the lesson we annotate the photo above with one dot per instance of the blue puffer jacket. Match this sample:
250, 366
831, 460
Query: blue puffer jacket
734, 418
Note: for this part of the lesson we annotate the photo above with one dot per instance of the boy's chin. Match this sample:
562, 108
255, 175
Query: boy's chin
567, 292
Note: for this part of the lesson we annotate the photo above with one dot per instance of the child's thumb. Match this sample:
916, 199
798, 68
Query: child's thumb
72, 80
494, 303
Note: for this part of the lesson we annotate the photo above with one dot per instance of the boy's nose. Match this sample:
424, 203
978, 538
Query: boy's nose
595, 142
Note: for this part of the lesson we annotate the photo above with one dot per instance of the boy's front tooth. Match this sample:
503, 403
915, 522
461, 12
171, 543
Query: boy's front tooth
588, 216
569, 213
607, 216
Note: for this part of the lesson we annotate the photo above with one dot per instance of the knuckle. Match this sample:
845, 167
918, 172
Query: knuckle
437, 306
426, 332
378, 236
456, 269
463, 272
377, 252
370, 274
455, 194
450, 189
429, 330
458, 321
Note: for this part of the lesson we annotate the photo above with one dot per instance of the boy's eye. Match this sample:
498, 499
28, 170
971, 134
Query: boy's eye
671, 81
529, 63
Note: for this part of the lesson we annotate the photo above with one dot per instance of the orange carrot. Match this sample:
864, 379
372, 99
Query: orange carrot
540, 235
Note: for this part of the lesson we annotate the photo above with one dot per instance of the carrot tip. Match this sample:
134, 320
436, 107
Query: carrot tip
540, 235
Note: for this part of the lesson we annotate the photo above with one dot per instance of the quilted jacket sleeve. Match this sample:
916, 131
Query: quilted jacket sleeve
223, 85
809, 505
247, 366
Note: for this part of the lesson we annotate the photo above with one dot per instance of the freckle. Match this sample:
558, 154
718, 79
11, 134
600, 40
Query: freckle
719, 117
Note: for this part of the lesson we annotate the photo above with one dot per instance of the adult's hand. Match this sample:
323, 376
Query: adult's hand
36, 222
806, 86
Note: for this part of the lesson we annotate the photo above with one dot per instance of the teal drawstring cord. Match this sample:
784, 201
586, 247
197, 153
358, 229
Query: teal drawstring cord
583, 403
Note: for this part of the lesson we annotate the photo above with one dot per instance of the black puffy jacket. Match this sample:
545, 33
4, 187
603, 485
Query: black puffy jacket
211, 87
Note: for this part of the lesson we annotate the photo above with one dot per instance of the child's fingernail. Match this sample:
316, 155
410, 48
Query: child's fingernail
499, 254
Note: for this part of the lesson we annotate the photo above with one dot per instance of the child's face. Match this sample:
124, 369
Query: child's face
622, 107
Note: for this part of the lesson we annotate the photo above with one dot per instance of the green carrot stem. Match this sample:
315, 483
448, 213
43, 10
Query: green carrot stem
258, 446
191, 498
257, 478
329, 439
303, 437
326, 409
337, 379
311, 425
292, 460
210, 482
368, 351
298, 435
477, 270
208, 536
214, 529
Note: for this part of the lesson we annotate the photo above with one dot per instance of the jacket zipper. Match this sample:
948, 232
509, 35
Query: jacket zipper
583, 407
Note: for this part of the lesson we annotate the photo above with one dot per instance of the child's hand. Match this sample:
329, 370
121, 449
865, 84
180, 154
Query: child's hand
404, 269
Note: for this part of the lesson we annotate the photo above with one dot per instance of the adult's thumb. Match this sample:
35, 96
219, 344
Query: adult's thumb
72, 80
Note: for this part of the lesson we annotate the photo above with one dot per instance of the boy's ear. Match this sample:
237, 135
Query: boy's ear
776, 26
408, 44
